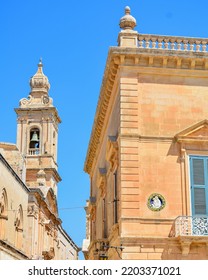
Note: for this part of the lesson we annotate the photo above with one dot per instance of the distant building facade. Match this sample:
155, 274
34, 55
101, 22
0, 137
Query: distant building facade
148, 153
30, 227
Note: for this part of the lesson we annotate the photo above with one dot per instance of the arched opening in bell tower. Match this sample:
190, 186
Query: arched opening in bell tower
34, 143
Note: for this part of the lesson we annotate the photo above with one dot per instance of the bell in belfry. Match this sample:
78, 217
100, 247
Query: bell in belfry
34, 137
34, 141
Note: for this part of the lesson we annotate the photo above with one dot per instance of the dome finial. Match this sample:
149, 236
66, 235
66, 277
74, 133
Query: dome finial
127, 21
39, 82
40, 66
127, 10
40, 61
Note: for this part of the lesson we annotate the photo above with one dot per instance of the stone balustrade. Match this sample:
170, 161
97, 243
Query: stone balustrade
190, 226
172, 43
34, 151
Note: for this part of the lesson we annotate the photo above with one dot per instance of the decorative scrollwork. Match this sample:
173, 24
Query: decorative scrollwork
25, 101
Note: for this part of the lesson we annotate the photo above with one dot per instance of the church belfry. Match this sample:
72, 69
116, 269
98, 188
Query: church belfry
37, 133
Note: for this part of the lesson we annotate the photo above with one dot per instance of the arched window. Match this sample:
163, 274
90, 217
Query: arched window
18, 223
34, 142
3, 213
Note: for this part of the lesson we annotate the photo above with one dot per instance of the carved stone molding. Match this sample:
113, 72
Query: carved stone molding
21, 120
49, 255
186, 243
3, 205
112, 152
32, 211
18, 222
48, 226
24, 102
55, 234
196, 133
44, 100
92, 209
41, 177
185, 247
101, 112
41, 218
101, 181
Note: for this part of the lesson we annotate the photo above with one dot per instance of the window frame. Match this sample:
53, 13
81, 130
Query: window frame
194, 186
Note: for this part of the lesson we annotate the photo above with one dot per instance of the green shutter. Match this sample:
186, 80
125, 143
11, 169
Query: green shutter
199, 184
198, 172
199, 201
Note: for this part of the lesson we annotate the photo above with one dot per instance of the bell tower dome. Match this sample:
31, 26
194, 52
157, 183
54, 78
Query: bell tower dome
37, 133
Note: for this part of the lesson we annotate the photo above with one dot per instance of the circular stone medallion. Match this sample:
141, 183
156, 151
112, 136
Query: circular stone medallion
156, 202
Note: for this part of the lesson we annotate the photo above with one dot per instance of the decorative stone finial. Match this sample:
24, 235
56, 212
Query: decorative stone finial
39, 82
127, 21
40, 64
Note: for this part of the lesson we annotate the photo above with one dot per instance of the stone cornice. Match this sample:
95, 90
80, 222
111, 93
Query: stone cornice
51, 170
102, 107
47, 110
148, 220
178, 62
160, 58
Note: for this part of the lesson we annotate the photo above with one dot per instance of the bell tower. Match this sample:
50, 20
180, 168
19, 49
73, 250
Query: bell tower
37, 133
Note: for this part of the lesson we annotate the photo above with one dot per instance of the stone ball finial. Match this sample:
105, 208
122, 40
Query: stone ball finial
39, 81
127, 21
127, 10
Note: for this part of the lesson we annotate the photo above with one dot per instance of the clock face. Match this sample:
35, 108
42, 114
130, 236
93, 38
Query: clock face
156, 202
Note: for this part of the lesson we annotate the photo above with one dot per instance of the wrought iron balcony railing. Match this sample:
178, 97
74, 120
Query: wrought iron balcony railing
190, 226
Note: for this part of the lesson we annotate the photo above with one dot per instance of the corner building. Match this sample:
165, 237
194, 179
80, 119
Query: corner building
148, 153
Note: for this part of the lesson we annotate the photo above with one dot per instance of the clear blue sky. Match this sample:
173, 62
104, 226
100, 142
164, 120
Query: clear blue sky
73, 38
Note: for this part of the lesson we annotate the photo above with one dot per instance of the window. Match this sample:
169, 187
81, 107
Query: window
104, 218
199, 185
115, 199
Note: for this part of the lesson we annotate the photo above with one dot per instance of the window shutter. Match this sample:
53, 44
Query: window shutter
200, 201
199, 185
198, 172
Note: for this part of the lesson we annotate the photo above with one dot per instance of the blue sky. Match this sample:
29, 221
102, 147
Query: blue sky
73, 38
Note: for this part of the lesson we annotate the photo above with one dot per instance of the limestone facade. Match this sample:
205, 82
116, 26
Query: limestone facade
150, 123
30, 227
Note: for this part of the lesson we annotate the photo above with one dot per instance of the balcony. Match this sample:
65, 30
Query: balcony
188, 231
190, 226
